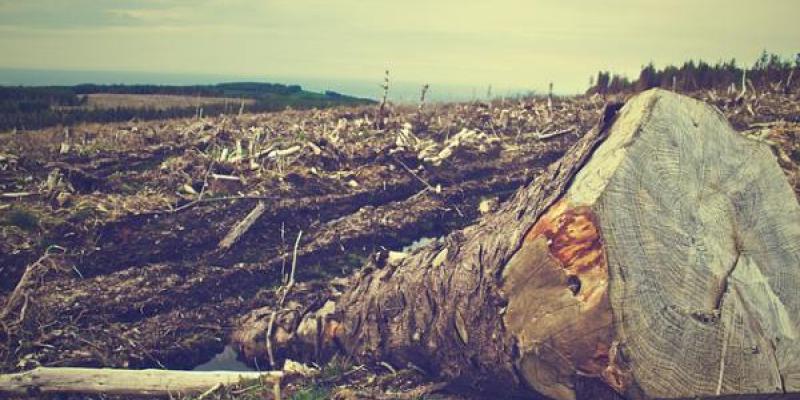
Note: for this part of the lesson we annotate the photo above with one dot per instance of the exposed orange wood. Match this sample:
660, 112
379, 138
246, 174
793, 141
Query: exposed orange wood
575, 244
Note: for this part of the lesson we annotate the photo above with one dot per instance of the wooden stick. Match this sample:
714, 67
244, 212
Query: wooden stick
242, 227
410, 171
211, 391
285, 291
16, 195
19, 291
150, 382
744, 85
205, 179
545, 136
379, 117
294, 259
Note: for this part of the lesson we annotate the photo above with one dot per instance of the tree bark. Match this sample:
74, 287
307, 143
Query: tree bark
658, 259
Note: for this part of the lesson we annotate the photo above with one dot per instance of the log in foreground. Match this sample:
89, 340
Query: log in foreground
147, 382
660, 258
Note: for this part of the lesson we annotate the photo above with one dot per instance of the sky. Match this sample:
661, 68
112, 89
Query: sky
513, 45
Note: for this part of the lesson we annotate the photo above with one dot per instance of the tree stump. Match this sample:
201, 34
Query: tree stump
680, 243
660, 258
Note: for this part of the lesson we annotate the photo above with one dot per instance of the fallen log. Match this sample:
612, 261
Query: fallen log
658, 259
146, 382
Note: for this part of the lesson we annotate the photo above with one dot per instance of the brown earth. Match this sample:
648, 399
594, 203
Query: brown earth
126, 219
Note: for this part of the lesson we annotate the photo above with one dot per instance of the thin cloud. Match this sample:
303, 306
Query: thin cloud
523, 44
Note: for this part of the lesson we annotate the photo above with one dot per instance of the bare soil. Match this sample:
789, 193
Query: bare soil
125, 219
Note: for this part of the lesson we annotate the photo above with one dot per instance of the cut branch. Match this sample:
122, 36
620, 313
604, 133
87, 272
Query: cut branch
242, 227
148, 382
20, 291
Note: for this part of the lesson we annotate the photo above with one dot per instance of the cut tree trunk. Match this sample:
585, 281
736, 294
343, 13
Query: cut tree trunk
660, 258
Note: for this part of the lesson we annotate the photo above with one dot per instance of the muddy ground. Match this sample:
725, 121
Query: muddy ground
119, 225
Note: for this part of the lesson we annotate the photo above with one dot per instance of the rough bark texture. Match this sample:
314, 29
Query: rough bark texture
441, 308
658, 259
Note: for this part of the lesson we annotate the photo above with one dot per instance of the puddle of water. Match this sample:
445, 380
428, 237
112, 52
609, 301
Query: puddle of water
419, 243
227, 360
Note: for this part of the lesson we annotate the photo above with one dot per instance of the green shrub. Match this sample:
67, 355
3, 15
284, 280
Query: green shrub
311, 393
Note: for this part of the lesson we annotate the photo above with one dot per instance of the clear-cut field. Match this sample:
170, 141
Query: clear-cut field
130, 216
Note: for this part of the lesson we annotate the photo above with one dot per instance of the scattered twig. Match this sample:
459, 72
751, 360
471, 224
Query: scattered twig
284, 292
205, 179
388, 367
20, 291
545, 136
422, 94
17, 195
241, 227
379, 123
414, 174
22, 312
294, 259
419, 124
420, 193
211, 391
743, 90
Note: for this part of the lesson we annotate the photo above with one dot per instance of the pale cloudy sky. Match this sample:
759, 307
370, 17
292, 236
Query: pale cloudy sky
506, 43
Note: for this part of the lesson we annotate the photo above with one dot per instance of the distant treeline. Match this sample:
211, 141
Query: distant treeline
770, 71
250, 90
25, 100
25, 107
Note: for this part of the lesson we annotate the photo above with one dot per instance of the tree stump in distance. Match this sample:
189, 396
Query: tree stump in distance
660, 258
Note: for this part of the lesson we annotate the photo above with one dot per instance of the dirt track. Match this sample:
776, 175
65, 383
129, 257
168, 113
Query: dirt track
137, 211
